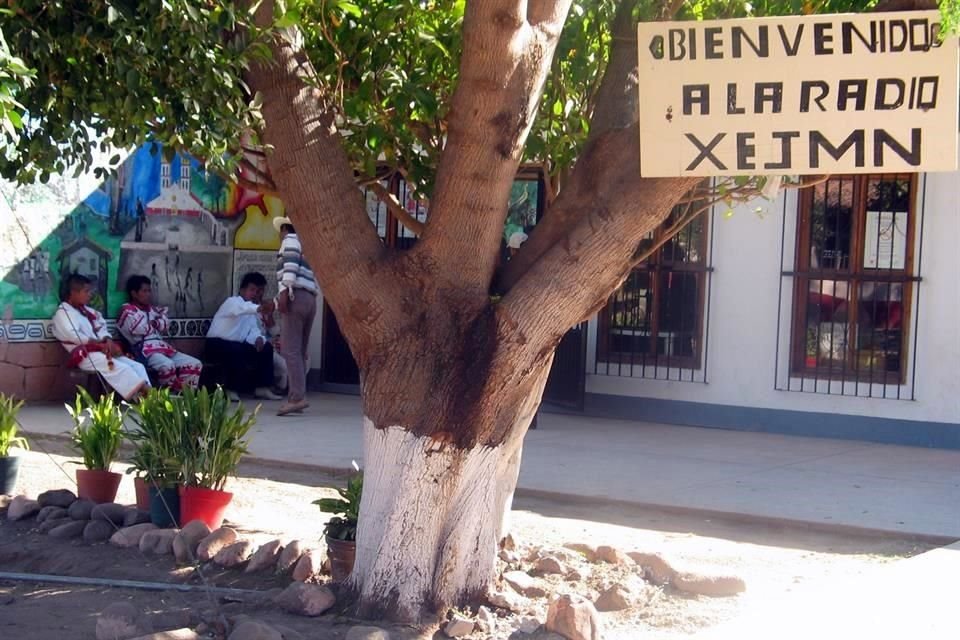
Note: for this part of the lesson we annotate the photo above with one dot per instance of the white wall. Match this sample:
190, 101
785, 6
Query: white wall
743, 318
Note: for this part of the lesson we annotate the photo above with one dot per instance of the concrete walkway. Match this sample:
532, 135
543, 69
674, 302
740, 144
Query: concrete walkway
824, 483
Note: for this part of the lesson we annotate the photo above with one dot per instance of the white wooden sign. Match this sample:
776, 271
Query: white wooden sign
851, 93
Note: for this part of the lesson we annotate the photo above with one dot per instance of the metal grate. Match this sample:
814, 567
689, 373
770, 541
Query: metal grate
849, 296
657, 325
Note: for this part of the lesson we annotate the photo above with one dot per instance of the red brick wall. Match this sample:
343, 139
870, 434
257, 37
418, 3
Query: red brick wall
37, 370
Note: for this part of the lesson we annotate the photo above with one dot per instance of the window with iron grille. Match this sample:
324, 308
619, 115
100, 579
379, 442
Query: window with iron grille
654, 325
853, 282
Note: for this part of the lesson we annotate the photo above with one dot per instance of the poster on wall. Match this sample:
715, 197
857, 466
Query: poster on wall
166, 219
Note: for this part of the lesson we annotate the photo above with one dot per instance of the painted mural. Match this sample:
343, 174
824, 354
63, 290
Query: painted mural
168, 220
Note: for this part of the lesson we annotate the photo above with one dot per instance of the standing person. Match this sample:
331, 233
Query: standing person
297, 303
83, 333
143, 325
236, 339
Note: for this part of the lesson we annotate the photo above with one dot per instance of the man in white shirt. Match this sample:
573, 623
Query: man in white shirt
83, 332
236, 340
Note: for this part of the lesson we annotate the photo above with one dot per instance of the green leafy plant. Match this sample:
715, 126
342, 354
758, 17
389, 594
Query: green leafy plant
9, 408
212, 436
98, 429
157, 436
346, 510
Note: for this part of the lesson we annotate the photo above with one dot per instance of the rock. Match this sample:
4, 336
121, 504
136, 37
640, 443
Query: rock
655, 569
175, 634
588, 551
68, 530
508, 543
50, 524
98, 531
157, 541
527, 624
508, 600
549, 566
211, 545
51, 513
236, 553
307, 566
715, 586
57, 498
265, 557
510, 557
525, 584
289, 556
580, 574
119, 621
288, 633
5, 501
367, 633
21, 508
80, 510
130, 536
612, 555
188, 539
574, 617
134, 517
459, 626
486, 621
305, 599
109, 512
252, 630
616, 598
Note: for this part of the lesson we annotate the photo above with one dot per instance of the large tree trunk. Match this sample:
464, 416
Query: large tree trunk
432, 511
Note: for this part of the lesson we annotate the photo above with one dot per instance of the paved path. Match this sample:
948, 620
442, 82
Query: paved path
914, 598
815, 481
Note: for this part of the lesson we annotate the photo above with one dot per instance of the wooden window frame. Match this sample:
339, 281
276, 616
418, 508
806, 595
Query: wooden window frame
855, 275
656, 266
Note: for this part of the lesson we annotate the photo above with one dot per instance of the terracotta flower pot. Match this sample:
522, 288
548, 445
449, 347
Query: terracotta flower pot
342, 554
9, 469
141, 487
208, 505
97, 485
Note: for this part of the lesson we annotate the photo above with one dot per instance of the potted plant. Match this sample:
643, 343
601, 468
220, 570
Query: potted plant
341, 530
9, 465
213, 434
97, 435
156, 436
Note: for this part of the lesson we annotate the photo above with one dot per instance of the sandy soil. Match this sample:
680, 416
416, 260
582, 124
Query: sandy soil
274, 501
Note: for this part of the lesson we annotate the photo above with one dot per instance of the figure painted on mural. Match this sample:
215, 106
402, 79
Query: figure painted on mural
237, 340
83, 332
43, 280
200, 288
189, 280
144, 325
154, 276
297, 302
166, 271
141, 221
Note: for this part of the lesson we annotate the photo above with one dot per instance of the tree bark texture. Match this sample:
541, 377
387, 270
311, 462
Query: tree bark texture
450, 377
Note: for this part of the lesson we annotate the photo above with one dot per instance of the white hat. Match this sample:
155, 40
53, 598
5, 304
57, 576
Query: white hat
517, 238
279, 222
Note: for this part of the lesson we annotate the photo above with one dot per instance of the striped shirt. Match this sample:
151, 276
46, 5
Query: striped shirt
293, 271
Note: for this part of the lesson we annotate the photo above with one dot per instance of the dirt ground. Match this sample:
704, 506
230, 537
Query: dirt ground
273, 501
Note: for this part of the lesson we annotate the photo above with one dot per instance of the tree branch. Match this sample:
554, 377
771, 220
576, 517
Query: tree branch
311, 170
505, 61
398, 211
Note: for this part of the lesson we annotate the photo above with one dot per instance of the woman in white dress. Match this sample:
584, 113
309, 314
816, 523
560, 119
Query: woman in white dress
83, 332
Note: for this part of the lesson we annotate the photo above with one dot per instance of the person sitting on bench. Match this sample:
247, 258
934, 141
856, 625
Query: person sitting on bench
237, 340
83, 332
142, 325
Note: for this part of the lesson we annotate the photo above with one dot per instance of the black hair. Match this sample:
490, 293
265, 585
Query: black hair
135, 282
253, 278
288, 228
71, 283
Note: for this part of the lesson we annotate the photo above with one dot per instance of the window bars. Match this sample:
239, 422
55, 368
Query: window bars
849, 295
